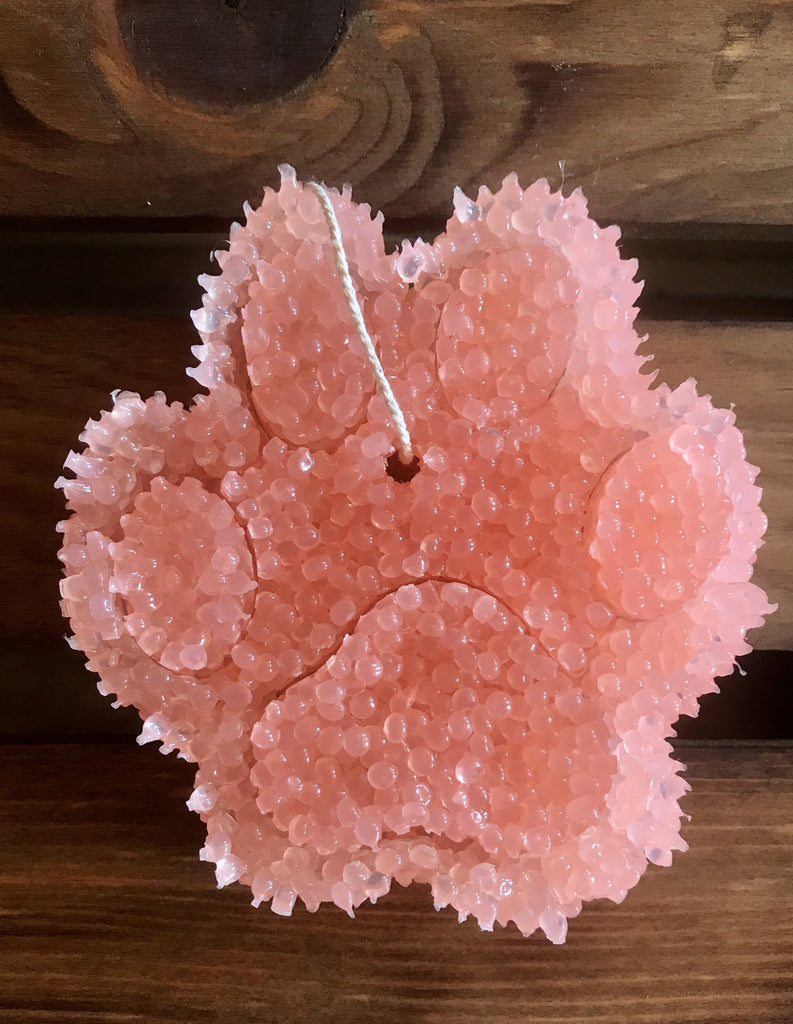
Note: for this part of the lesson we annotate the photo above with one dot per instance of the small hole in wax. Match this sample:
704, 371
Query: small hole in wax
402, 472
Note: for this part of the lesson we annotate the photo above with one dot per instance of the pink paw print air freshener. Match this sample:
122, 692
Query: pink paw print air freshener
460, 672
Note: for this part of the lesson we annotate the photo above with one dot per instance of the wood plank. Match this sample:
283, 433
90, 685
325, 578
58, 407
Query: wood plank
106, 914
664, 112
58, 701
56, 372
111, 266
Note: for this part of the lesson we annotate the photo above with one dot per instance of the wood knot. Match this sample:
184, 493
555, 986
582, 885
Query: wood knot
228, 53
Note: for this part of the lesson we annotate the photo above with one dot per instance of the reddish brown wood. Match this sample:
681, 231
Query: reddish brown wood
673, 111
106, 915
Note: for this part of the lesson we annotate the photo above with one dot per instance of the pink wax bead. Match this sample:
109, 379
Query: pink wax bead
466, 678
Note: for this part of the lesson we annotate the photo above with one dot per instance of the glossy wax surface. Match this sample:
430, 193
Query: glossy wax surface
466, 679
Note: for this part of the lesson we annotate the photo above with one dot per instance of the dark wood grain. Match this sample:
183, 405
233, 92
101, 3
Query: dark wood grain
56, 372
115, 266
223, 53
664, 112
50, 697
106, 915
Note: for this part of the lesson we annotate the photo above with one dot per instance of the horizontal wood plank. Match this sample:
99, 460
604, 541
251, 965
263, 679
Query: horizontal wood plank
111, 266
664, 112
50, 697
56, 372
106, 914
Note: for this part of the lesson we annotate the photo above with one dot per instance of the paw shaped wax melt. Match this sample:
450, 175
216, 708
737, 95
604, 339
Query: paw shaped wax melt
462, 675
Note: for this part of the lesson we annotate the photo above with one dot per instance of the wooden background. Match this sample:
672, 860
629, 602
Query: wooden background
131, 131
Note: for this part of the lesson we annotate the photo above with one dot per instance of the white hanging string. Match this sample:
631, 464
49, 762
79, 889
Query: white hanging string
405, 444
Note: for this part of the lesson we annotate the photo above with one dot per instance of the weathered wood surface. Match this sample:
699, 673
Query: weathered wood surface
56, 372
673, 111
106, 914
